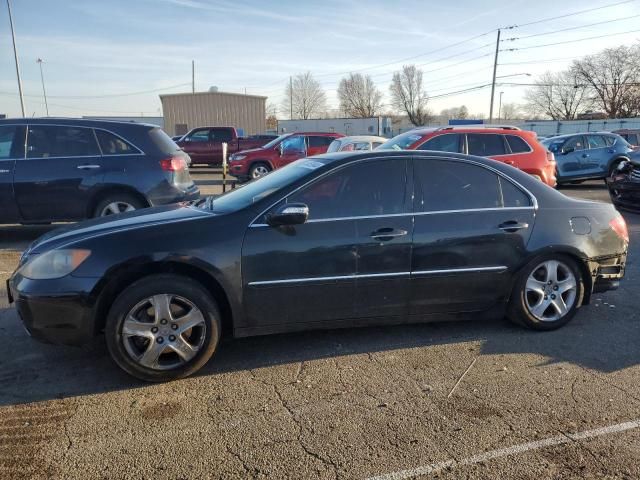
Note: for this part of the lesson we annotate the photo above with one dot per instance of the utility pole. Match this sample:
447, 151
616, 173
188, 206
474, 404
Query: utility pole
15, 55
500, 107
291, 98
44, 92
193, 76
493, 83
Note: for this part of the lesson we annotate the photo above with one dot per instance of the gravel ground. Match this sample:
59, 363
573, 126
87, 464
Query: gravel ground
338, 404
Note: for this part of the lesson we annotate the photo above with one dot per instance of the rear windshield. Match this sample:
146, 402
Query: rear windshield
163, 141
401, 142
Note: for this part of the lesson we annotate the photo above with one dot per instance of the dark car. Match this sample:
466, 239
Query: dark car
55, 169
204, 144
331, 241
630, 135
584, 156
624, 186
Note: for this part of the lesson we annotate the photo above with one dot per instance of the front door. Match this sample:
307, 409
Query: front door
571, 158
11, 149
291, 149
199, 146
56, 179
471, 227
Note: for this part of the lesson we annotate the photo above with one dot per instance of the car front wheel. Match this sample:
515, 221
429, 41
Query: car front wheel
547, 294
163, 327
258, 170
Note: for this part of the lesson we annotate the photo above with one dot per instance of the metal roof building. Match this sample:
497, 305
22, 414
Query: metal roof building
184, 111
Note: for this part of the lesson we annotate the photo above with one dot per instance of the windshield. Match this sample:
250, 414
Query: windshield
258, 189
400, 142
334, 146
275, 141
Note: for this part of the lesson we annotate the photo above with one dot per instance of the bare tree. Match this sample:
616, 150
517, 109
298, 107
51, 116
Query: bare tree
408, 96
511, 111
557, 95
359, 96
461, 112
613, 75
272, 116
304, 97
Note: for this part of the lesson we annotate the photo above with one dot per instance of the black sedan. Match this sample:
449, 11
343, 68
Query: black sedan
330, 241
624, 186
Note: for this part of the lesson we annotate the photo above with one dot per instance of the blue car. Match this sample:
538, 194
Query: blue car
585, 156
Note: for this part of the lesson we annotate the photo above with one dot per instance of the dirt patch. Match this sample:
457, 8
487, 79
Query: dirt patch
160, 411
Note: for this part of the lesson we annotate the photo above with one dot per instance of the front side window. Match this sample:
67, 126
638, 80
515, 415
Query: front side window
485, 144
114, 145
45, 141
596, 141
199, 136
449, 142
373, 187
445, 185
294, 144
11, 145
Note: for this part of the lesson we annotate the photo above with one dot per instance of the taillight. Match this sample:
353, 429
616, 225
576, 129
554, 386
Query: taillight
173, 164
619, 226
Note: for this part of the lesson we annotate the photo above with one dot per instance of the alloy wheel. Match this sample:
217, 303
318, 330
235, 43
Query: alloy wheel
163, 332
114, 208
551, 291
259, 171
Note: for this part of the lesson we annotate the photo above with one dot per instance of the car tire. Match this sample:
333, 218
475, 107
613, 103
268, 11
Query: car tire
537, 304
258, 170
115, 203
614, 167
156, 349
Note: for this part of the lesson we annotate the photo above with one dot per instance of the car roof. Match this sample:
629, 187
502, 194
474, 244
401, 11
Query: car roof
362, 138
74, 121
567, 135
465, 128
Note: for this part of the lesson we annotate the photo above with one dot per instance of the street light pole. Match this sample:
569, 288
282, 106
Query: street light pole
44, 92
15, 55
500, 106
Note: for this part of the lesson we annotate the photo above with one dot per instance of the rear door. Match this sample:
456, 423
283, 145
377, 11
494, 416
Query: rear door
595, 160
471, 227
11, 149
490, 145
56, 179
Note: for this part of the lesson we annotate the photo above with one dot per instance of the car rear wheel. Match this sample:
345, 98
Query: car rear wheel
116, 203
547, 294
163, 327
258, 170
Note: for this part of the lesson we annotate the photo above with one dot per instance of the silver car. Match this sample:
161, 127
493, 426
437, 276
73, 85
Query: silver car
357, 142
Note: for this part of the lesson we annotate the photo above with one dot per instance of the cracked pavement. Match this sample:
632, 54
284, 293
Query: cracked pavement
334, 405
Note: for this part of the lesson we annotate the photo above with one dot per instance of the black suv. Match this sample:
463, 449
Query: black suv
54, 169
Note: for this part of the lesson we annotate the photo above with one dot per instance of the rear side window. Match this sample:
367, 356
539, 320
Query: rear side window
449, 142
11, 142
444, 185
517, 144
485, 144
512, 196
113, 145
45, 141
319, 142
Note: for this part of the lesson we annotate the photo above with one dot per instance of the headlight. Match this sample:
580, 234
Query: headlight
235, 158
53, 264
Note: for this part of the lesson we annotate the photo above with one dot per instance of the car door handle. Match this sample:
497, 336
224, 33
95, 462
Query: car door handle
87, 167
585, 155
512, 226
5, 171
387, 234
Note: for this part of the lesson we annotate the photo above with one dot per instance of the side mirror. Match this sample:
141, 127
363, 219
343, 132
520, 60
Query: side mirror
288, 214
185, 139
280, 149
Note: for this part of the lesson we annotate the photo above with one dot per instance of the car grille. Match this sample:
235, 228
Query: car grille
635, 174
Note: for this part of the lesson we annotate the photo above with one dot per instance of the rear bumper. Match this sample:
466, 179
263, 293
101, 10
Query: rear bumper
174, 195
606, 273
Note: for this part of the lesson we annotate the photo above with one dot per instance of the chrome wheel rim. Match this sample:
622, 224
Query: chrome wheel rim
163, 332
550, 291
260, 171
116, 207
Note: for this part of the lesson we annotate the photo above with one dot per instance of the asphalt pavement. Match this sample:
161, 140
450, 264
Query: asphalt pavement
471, 400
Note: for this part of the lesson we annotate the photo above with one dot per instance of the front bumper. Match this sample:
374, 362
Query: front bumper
624, 193
57, 311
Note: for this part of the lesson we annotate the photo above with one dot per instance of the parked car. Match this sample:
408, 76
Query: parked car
506, 144
287, 148
624, 186
584, 156
72, 169
336, 240
356, 143
632, 136
204, 144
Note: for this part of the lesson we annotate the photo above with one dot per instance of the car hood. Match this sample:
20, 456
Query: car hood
106, 225
251, 151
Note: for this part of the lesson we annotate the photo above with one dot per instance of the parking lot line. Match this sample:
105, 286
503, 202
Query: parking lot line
513, 450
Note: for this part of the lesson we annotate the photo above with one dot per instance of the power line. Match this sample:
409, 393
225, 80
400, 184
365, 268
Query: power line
113, 95
569, 41
541, 61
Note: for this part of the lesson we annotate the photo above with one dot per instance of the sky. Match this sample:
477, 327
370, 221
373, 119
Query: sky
114, 57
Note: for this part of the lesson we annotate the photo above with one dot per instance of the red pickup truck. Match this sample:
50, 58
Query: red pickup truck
254, 163
204, 144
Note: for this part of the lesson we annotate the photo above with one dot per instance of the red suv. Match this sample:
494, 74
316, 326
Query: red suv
506, 144
254, 163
